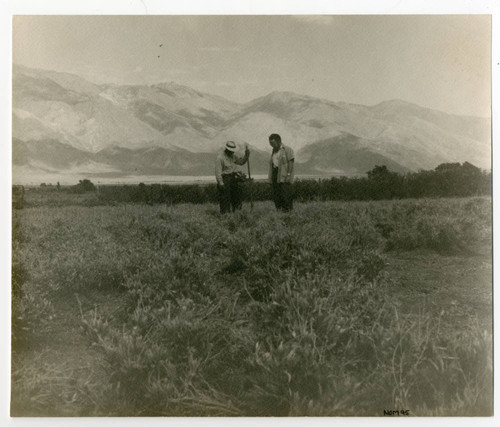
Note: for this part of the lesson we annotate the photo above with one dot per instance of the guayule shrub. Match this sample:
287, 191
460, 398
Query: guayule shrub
257, 313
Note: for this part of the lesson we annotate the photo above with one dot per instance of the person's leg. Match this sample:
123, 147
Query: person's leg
236, 199
282, 196
276, 189
224, 198
287, 193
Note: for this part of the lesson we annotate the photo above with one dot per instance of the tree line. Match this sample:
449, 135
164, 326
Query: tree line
446, 180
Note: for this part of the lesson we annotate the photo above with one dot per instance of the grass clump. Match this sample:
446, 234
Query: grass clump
256, 313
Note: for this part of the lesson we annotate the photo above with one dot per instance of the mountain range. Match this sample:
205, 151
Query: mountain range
65, 126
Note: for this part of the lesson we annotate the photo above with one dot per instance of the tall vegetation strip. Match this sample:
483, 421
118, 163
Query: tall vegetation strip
447, 180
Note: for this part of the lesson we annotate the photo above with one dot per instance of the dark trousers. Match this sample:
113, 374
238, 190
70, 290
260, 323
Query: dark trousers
282, 193
230, 198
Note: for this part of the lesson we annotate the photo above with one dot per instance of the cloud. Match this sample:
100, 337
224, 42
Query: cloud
218, 49
260, 66
236, 84
176, 71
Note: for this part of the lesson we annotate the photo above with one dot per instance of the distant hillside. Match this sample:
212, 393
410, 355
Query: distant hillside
65, 124
51, 156
344, 154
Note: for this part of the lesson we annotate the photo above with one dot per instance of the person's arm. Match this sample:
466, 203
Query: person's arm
290, 165
270, 171
244, 159
218, 171
289, 174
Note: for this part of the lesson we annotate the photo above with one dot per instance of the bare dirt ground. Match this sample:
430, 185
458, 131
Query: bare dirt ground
426, 280
64, 354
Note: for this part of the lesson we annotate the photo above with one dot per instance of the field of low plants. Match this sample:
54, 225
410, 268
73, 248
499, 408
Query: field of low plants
337, 308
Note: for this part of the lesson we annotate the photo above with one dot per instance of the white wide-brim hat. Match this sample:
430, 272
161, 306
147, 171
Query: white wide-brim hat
231, 146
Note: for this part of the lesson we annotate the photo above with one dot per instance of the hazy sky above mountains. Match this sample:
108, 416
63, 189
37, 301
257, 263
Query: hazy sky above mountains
440, 61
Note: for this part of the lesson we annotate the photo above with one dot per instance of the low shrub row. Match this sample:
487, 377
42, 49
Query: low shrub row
447, 180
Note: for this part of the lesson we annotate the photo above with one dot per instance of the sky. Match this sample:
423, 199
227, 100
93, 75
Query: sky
439, 62
436, 61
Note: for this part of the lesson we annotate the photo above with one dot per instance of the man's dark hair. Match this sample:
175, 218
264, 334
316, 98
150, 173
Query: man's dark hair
275, 136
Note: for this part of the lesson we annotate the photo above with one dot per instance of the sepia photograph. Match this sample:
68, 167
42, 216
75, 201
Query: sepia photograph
257, 215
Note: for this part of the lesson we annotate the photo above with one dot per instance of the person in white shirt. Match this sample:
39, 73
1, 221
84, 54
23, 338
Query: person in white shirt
228, 185
281, 173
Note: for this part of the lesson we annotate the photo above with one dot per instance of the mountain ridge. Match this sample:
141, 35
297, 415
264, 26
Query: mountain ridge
62, 107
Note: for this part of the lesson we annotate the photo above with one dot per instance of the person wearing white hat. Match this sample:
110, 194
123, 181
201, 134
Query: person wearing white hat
226, 168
